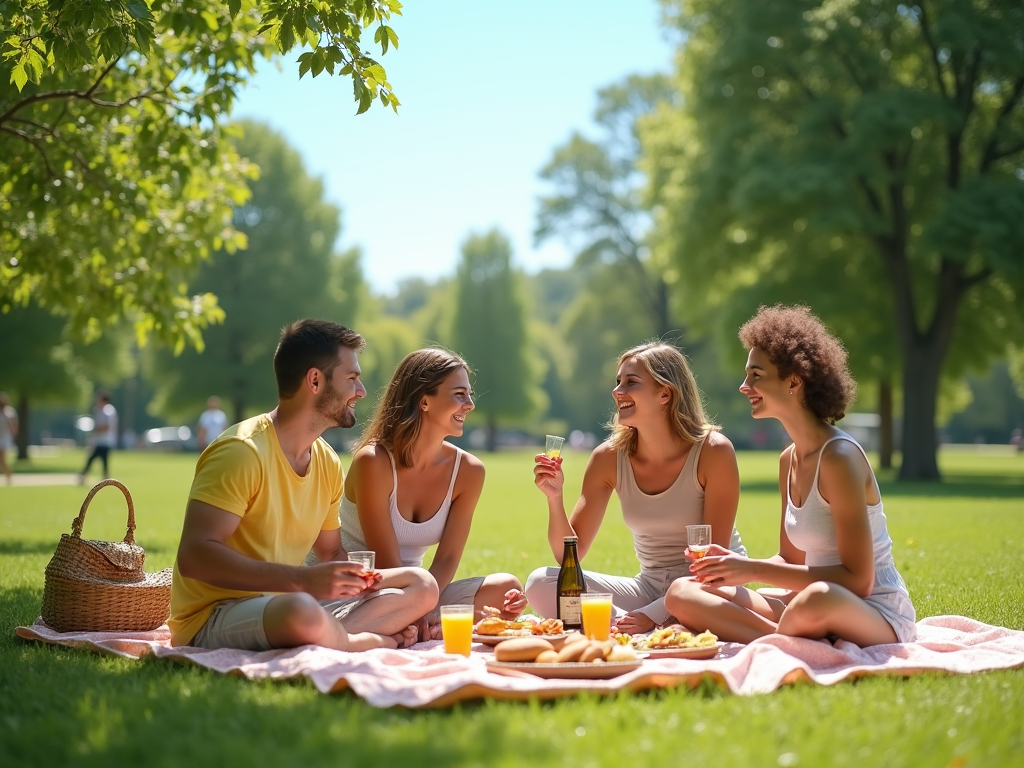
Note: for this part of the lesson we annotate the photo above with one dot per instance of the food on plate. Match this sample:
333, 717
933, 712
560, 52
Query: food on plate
525, 626
521, 649
577, 650
673, 636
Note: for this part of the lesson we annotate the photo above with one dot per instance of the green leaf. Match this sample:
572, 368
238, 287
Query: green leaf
18, 76
234, 6
392, 36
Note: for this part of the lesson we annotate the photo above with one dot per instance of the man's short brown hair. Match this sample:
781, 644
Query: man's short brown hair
307, 344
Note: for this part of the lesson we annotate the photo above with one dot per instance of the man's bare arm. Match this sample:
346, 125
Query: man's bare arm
204, 555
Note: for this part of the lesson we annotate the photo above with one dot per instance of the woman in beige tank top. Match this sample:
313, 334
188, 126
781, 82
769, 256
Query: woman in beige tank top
669, 467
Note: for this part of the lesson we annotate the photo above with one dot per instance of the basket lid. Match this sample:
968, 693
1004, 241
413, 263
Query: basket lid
129, 557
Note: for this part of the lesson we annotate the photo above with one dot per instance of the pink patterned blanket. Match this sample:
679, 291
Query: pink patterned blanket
424, 676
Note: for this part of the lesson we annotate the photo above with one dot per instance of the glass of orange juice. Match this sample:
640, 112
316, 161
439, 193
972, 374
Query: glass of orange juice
597, 614
457, 628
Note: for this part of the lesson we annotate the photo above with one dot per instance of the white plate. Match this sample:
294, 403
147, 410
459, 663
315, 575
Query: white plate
702, 652
495, 639
572, 670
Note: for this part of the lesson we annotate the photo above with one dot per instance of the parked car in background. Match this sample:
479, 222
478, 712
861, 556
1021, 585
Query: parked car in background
169, 439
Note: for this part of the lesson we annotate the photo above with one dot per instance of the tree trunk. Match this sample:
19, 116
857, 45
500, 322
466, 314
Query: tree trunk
492, 432
922, 367
22, 438
662, 320
238, 406
885, 425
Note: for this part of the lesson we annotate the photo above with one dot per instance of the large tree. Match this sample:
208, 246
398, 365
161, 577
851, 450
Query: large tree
896, 130
289, 271
489, 330
40, 364
596, 204
116, 174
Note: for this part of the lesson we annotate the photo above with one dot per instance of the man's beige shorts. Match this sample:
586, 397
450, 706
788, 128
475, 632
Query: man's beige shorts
239, 623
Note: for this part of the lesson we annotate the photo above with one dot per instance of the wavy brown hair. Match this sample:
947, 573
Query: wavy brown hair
396, 424
667, 366
797, 342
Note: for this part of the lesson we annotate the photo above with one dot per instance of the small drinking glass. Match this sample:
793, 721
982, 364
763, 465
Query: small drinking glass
365, 557
596, 608
698, 537
457, 628
553, 446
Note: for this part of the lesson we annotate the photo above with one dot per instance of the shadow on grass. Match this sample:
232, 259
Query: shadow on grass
964, 486
17, 547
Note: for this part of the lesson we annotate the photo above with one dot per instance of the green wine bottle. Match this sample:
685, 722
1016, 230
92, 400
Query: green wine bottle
571, 585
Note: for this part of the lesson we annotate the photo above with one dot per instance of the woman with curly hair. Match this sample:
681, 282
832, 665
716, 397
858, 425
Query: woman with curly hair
409, 488
669, 467
835, 556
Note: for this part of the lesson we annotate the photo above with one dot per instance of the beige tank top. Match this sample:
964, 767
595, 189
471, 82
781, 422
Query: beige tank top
658, 521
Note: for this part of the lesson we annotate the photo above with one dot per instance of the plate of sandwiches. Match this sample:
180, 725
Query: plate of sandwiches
578, 658
492, 629
676, 642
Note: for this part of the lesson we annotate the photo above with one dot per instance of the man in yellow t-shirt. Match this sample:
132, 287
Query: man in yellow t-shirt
266, 492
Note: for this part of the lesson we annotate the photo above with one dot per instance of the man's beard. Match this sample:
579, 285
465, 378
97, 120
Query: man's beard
334, 410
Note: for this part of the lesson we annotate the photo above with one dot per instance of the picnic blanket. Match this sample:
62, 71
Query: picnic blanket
424, 676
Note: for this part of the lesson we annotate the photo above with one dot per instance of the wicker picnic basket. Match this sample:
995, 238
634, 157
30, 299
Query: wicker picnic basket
100, 586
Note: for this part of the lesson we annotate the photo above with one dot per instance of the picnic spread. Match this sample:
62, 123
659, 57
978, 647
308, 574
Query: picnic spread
424, 676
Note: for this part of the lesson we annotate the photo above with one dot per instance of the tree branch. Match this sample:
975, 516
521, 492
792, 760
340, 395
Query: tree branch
992, 152
35, 143
926, 32
88, 95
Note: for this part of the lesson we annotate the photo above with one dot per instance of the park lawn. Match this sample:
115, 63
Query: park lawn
959, 544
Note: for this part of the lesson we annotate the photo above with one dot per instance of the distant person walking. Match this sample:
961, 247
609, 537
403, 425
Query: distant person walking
212, 422
8, 431
104, 434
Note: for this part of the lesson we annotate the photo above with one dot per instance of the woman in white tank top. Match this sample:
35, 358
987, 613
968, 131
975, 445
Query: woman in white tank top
835, 556
409, 489
669, 468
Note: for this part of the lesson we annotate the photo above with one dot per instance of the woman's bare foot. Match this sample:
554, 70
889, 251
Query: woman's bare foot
405, 638
365, 641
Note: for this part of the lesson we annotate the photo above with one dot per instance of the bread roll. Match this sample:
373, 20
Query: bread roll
521, 649
592, 652
572, 651
547, 657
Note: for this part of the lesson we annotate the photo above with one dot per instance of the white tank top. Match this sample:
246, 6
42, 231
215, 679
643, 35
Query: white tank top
414, 539
811, 529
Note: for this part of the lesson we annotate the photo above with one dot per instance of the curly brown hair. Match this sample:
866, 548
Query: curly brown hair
796, 341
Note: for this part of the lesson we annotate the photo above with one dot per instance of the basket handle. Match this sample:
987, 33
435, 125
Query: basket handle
129, 536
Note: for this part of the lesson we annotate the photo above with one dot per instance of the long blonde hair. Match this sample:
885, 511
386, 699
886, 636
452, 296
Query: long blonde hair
685, 409
396, 424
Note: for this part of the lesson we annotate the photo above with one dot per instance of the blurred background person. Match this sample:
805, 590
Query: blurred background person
212, 422
8, 431
104, 434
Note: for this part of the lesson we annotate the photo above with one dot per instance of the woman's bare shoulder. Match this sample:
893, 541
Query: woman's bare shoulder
718, 444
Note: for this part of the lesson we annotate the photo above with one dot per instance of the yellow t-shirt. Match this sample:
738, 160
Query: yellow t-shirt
245, 472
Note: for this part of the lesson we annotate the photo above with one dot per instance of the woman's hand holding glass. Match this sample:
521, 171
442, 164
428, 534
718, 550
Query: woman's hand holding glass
547, 475
721, 567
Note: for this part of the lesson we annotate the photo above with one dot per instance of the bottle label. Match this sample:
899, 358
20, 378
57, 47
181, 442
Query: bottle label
570, 609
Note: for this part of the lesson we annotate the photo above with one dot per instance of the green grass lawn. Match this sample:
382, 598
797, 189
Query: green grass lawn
959, 544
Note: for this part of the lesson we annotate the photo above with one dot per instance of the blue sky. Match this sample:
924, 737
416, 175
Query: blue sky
488, 90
